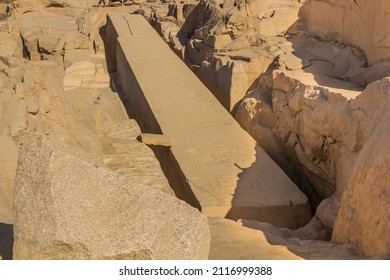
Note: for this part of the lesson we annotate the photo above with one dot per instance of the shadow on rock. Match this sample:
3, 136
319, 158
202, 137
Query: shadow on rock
6, 241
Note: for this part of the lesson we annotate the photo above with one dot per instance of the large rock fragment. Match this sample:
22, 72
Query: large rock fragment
26, 6
49, 44
68, 207
327, 212
364, 216
10, 45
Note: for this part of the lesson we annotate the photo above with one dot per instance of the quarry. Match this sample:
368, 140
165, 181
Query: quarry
194, 130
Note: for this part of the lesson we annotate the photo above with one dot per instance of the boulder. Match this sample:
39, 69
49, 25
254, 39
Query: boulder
167, 29
76, 40
70, 207
25, 6
30, 43
309, 242
10, 45
327, 212
49, 44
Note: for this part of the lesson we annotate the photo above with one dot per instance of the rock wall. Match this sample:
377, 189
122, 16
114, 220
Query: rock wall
364, 216
359, 22
310, 131
335, 136
338, 146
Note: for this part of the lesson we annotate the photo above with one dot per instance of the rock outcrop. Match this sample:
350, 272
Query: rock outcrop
227, 44
364, 216
336, 143
86, 211
10, 45
357, 22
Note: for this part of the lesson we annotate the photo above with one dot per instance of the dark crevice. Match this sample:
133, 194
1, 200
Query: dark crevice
6, 241
148, 124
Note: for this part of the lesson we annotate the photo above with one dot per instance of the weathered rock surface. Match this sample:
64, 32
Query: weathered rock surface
10, 45
224, 43
3, 11
327, 212
124, 154
70, 3
357, 22
306, 128
364, 216
26, 6
88, 212
310, 242
232, 241
33, 107
45, 33
335, 142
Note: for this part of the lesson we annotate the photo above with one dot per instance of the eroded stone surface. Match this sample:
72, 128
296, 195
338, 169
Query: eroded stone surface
232, 241
89, 212
356, 22
364, 216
